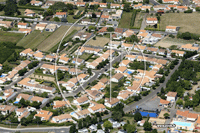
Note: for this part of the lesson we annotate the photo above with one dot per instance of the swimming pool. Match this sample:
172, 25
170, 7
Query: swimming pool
150, 66
2, 76
186, 124
16, 102
128, 82
72, 113
129, 72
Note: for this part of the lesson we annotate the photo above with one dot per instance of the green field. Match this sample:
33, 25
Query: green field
125, 20
34, 39
10, 36
138, 19
187, 21
55, 37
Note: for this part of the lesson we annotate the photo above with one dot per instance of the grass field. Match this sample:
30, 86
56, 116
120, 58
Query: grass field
138, 19
34, 39
10, 37
168, 41
186, 21
84, 56
125, 20
55, 37
100, 41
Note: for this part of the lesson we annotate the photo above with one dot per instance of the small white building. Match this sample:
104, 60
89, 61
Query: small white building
171, 96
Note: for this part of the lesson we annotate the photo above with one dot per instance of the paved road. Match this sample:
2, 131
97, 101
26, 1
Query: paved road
186, 2
152, 94
63, 129
154, 2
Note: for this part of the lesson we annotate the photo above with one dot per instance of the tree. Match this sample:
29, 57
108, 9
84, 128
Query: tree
99, 126
72, 129
127, 7
56, 19
94, 15
154, 131
166, 115
107, 124
10, 8
147, 126
117, 115
129, 128
138, 116
24, 121
80, 125
110, 29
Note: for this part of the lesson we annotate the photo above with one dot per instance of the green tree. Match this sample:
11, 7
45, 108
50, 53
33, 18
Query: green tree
117, 115
72, 129
154, 131
10, 8
24, 121
166, 115
56, 19
110, 29
129, 128
99, 126
80, 124
147, 126
138, 116
107, 124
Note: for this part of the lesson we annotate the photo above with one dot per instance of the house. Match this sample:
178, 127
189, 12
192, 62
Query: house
127, 46
38, 55
128, 33
86, 21
48, 68
60, 104
104, 81
80, 4
99, 86
94, 95
26, 31
29, 13
124, 95
131, 57
186, 115
62, 118
102, 31
121, 69
36, 3
152, 50
44, 115
114, 44
189, 47
40, 26
7, 109
151, 21
140, 48
22, 25
171, 96
48, 4
22, 113
111, 102
26, 52
51, 27
64, 59
60, 15
125, 63
117, 77
164, 103
82, 36
170, 1
9, 94
78, 61
105, 17
182, 8
103, 4
97, 108
6, 24
114, 6
144, 8
80, 114
135, 88
89, 14
178, 53
50, 57
81, 100
172, 29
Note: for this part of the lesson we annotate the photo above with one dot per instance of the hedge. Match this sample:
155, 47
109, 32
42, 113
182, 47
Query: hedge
152, 29
31, 7
133, 18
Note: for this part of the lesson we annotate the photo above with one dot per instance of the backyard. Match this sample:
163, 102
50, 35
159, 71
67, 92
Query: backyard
125, 20
138, 19
168, 41
100, 41
10, 37
191, 24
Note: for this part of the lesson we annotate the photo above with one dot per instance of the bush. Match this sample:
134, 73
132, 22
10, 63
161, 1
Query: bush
133, 18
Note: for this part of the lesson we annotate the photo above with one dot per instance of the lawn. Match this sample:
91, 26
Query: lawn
84, 56
34, 39
168, 41
10, 36
138, 19
100, 41
125, 20
55, 37
187, 21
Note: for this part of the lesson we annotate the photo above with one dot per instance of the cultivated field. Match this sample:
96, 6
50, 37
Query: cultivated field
55, 37
10, 37
100, 41
138, 19
34, 39
125, 20
187, 21
168, 41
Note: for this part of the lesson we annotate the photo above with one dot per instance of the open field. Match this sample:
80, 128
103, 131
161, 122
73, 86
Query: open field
55, 37
34, 39
10, 37
187, 21
100, 41
138, 19
168, 41
125, 20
